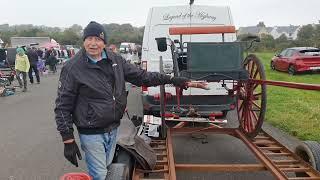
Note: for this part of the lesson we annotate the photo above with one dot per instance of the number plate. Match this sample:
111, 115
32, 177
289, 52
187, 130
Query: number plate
315, 68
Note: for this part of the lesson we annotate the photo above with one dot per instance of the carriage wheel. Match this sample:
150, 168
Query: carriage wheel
252, 98
163, 127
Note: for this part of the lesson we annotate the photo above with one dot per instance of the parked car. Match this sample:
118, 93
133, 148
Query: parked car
297, 59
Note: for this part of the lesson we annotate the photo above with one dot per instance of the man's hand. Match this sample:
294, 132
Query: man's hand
180, 82
71, 151
198, 84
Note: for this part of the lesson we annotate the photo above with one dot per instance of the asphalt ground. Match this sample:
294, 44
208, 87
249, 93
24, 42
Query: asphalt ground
31, 148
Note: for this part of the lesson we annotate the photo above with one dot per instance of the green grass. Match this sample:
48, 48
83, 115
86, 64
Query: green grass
294, 111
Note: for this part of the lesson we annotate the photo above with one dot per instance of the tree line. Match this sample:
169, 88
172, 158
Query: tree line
309, 35
116, 33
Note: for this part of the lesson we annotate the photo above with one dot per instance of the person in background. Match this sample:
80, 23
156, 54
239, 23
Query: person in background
40, 53
41, 66
22, 67
33, 59
62, 53
3, 58
52, 62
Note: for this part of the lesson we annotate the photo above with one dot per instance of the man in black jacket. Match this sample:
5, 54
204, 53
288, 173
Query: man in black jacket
33, 59
91, 95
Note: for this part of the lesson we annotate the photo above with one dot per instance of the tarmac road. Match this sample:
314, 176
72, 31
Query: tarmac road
31, 148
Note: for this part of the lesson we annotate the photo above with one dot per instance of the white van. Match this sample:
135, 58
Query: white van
124, 47
158, 22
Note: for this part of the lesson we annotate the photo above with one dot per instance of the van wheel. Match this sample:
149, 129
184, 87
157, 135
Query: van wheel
292, 70
118, 171
309, 151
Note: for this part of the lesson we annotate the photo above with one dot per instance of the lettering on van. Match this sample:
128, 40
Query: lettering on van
198, 15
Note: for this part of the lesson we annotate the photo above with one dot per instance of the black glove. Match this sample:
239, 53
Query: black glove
71, 151
180, 82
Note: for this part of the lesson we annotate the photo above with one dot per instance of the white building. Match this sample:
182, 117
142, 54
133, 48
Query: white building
291, 32
1, 43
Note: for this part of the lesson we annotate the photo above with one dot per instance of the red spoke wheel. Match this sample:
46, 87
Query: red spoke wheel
163, 127
252, 97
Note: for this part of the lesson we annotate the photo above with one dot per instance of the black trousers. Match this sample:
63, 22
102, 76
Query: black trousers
24, 78
36, 72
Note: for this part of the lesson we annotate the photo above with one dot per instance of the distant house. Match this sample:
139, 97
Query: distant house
254, 30
291, 32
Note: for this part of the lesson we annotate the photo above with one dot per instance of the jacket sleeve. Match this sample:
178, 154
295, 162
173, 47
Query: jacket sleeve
27, 64
140, 77
67, 93
16, 63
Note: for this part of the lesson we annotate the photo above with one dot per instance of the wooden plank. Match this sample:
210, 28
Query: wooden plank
221, 167
261, 138
285, 161
202, 30
161, 155
159, 148
295, 169
162, 162
304, 178
271, 148
172, 170
263, 142
289, 166
277, 154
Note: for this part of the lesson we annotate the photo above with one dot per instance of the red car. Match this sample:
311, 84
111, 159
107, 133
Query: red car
297, 59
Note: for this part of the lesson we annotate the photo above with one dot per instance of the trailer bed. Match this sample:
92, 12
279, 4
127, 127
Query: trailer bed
272, 157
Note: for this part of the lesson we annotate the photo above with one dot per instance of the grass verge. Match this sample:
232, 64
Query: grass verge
294, 111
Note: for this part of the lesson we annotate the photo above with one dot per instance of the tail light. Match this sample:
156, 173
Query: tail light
144, 88
168, 96
144, 67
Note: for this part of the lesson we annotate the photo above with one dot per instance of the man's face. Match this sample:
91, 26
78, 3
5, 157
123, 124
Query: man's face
94, 46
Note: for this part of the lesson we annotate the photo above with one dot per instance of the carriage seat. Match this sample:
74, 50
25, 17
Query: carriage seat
213, 61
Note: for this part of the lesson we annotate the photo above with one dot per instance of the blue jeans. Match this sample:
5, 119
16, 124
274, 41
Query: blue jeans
99, 150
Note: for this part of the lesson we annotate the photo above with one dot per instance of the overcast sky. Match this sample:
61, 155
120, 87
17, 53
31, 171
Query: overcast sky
64, 13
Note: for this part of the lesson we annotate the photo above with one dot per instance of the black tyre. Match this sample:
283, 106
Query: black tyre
272, 66
118, 171
292, 70
309, 151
